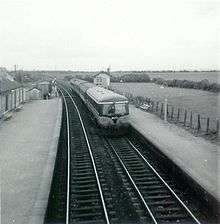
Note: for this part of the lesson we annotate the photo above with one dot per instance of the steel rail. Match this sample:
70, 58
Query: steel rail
133, 183
68, 158
92, 158
164, 182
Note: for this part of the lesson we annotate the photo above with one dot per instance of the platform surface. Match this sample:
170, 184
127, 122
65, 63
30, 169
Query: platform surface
28, 145
196, 156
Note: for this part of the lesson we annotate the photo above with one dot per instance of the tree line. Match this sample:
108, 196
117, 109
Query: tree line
131, 77
189, 84
204, 84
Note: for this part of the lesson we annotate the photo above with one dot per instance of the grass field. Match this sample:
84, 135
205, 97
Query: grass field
194, 76
205, 103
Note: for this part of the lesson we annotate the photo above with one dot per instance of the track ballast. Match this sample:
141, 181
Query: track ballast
110, 181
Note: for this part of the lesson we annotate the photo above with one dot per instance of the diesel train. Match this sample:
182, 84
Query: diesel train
110, 109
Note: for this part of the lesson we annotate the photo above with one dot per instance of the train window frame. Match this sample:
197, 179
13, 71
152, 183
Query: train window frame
106, 108
123, 107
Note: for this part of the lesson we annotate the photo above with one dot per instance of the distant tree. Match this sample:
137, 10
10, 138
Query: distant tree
189, 84
68, 77
204, 84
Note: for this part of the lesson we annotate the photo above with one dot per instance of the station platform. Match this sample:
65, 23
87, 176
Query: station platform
28, 146
196, 156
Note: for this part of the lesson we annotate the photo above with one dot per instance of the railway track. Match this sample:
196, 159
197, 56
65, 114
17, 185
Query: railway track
85, 201
159, 200
109, 181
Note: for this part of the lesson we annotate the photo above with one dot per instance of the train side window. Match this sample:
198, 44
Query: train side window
120, 108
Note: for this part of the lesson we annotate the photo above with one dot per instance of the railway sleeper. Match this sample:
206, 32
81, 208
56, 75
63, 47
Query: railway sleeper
81, 161
83, 172
157, 197
130, 159
148, 182
141, 173
86, 196
161, 203
153, 178
87, 186
86, 208
85, 202
151, 187
80, 155
84, 191
135, 166
157, 192
77, 181
134, 161
88, 216
86, 165
140, 212
172, 217
168, 209
97, 221
144, 175
84, 176
91, 181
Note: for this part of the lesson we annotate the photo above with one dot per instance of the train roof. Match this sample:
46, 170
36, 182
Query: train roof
101, 95
77, 81
84, 85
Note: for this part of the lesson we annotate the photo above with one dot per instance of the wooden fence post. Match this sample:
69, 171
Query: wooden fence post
217, 126
152, 106
165, 110
157, 106
207, 125
172, 111
191, 120
161, 110
178, 114
185, 116
199, 124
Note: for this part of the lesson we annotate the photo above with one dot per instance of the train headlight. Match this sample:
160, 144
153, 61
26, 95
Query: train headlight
114, 119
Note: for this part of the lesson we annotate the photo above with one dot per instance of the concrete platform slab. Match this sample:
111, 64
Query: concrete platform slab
196, 156
28, 145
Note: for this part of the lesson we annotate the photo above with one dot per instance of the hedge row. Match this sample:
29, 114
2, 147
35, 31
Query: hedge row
189, 84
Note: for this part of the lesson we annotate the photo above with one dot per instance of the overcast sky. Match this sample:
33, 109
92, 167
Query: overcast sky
126, 34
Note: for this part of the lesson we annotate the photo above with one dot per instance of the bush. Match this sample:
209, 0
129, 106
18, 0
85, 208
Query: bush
203, 84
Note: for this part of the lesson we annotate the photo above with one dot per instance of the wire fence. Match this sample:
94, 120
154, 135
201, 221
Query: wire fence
187, 118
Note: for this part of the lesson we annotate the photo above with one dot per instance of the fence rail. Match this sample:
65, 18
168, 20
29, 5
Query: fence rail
187, 118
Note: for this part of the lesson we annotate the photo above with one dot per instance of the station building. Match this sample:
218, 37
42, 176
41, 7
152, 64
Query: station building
33, 94
44, 87
102, 79
12, 93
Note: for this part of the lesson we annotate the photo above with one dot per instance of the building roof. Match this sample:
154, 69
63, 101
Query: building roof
34, 88
7, 82
44, 83
102, 95
102, 73
7, 85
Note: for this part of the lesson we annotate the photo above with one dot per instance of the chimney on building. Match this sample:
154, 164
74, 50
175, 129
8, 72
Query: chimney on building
108, 69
